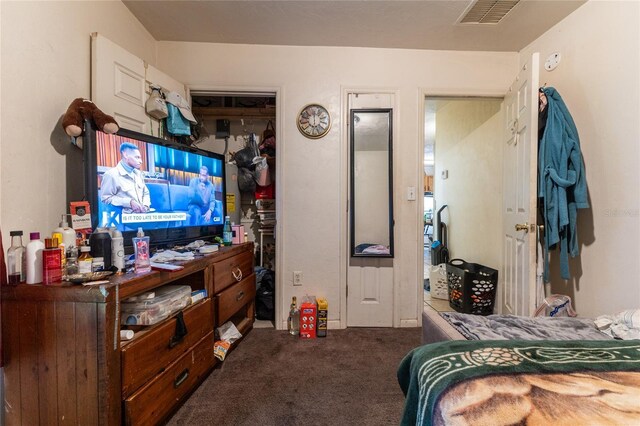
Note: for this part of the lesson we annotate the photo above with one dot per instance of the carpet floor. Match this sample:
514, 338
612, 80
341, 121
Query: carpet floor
272, 378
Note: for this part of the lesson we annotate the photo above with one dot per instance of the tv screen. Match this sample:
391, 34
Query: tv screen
175, 193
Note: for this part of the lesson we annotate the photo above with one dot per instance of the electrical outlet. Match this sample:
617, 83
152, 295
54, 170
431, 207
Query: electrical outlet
297, 277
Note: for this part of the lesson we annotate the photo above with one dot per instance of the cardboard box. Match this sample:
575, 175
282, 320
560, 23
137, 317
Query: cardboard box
80, 220
308, 314
323, 311
237, 232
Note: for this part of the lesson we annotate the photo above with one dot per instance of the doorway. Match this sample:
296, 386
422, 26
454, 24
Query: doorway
462, 170
231, 122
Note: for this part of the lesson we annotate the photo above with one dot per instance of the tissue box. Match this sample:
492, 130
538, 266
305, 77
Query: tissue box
238, 234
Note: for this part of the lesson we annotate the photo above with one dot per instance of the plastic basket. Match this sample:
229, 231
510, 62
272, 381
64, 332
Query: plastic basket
438, 281
472, 287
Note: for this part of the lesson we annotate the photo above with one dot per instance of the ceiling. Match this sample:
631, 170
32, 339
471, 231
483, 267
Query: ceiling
419, 24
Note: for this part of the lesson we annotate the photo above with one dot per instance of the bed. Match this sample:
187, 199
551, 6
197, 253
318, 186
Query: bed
506, 382
443, 326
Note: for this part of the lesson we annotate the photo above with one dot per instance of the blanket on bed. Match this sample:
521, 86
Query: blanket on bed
511, 327
522, 382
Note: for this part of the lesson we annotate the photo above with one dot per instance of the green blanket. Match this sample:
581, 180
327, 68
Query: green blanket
426, 372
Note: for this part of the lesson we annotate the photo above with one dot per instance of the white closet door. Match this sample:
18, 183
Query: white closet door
370, 280
120, 84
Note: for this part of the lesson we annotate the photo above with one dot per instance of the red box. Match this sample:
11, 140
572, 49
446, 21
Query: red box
308, 315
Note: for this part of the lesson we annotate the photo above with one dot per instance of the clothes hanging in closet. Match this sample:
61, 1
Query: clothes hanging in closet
562, 185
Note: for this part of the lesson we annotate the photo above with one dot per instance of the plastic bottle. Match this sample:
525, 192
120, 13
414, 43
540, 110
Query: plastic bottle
68, 234
293, 322
227, 234
34, 258
51, 263
117, 249
141, 247
100, 242
16, 259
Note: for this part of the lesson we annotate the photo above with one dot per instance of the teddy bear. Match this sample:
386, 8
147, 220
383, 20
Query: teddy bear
81, 109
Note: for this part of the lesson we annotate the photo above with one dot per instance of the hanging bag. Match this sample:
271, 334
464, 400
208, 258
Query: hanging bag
263, 178
156, 106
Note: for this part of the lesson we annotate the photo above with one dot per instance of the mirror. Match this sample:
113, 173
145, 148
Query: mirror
371, 195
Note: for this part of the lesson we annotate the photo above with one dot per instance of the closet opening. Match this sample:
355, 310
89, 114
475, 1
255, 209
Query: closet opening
242, 126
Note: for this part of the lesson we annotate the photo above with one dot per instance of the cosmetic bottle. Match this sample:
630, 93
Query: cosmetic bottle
34, 258
141, 247
51, 261
68, 234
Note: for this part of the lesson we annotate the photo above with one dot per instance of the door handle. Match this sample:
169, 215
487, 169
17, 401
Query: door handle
525, 227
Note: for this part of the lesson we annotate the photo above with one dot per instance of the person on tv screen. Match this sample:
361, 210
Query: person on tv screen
124, 186
202, 200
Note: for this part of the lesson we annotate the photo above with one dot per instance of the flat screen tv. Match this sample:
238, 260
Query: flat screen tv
174, 192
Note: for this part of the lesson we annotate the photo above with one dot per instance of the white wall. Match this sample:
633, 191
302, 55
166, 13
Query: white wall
45, 65
598, 80
313, 178
469, 146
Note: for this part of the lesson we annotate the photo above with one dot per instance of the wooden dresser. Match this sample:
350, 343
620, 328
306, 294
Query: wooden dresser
65, 362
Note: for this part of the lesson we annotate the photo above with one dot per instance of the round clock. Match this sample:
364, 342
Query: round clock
314, 121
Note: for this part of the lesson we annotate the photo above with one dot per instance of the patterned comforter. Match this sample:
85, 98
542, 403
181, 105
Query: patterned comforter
522, 382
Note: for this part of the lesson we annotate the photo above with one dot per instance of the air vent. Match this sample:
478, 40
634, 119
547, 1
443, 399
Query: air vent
487, 11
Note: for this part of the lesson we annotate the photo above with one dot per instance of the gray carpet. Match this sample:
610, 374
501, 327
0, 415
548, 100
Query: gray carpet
272, 378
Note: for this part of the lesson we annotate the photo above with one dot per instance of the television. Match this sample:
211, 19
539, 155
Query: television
174, 192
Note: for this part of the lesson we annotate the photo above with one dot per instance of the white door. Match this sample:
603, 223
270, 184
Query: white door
369, 280
120, 85
520, 185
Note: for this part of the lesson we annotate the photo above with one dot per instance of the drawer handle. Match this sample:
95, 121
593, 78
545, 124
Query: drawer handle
240, 296
181, 331
237, 274
181, 378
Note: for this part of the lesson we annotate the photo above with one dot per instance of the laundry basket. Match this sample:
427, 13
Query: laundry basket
472, 287
438, 281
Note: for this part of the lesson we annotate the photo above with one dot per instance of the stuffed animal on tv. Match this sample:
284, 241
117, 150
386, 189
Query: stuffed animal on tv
81, 109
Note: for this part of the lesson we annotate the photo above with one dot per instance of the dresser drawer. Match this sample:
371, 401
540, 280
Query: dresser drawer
232, 299
146, 356
152, 403
232, 270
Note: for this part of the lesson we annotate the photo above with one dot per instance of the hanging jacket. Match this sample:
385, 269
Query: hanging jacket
562, 184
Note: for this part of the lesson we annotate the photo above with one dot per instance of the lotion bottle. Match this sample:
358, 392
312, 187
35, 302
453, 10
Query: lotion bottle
34, 258
117, 249
68, 234
141, 247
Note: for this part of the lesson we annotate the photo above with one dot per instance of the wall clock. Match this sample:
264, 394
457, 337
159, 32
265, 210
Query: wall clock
314, 121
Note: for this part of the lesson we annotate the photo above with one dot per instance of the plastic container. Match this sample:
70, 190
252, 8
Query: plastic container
68, 234
472, 287
438, 281
308, 314
154, 306
34, 258
117, 249
100, 242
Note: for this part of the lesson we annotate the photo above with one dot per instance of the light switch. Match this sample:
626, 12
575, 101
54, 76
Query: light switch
411, 193
445, 174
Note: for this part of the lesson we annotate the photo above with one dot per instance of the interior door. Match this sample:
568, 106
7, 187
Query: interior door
369, 280
120, 85
520, 187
